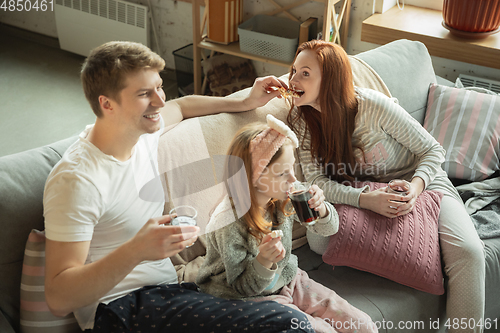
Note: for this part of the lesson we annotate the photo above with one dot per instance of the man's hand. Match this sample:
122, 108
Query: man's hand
158, 240
67, 274
262, 91
270, 251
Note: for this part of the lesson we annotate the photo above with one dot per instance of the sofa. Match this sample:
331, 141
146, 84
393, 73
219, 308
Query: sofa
401, 69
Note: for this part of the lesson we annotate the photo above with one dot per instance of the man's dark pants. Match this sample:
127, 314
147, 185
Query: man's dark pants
182, 308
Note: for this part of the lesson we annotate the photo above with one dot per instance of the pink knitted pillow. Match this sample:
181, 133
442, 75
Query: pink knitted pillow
403, 249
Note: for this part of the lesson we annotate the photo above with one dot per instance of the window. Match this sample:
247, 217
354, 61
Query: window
382, 6
432, 4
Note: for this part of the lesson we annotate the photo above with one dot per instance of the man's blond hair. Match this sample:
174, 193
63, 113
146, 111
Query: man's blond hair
105, 69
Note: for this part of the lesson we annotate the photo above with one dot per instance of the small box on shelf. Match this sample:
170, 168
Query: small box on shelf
270, 36
224, 16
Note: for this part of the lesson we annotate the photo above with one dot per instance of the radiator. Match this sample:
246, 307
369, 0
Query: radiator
84, 24
474, 81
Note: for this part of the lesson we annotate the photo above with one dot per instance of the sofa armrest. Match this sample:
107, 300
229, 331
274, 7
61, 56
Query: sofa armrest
23, 178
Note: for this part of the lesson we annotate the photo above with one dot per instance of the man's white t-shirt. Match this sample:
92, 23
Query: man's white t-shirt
91, 196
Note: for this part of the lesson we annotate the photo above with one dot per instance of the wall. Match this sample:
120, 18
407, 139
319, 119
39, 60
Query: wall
173, 27
172, 23
37, 21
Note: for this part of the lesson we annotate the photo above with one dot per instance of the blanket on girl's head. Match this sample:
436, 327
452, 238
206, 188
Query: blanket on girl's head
191, 156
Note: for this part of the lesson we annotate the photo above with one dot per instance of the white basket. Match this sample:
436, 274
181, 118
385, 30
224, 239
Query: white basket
270, 36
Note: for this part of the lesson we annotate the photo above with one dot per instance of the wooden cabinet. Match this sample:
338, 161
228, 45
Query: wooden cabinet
339, 23
425, 25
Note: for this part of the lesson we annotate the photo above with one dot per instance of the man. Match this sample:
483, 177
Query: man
107, 251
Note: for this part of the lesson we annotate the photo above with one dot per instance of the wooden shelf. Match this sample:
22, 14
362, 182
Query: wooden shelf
330, 20
425, 25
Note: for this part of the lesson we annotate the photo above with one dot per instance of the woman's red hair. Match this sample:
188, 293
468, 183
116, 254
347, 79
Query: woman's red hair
331, 129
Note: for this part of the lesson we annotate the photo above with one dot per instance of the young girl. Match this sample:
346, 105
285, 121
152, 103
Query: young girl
244, 260
349, 133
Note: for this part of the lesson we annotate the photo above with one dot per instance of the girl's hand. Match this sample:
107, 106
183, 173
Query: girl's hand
270, 251
317, 202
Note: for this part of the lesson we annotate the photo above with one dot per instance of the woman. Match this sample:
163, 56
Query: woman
349, 133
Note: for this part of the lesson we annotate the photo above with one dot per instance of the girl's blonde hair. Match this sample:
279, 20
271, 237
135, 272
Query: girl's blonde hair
239, 147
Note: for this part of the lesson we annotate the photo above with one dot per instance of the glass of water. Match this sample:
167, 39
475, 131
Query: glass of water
185, 215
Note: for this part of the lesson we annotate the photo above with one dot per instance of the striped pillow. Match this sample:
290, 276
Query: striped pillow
467, 124
35, 314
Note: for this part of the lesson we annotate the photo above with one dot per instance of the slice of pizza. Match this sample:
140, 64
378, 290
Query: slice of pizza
289, 92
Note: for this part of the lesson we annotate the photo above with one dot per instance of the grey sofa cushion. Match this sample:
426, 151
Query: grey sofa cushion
407, 81
23, 178
382, 299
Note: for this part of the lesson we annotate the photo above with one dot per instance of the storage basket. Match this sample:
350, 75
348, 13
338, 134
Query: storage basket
270, 36
183, 59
